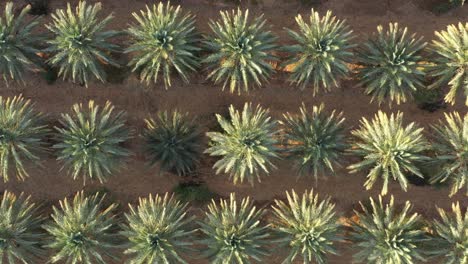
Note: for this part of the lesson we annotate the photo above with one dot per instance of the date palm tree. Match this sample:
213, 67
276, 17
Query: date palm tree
247, 144
80, 46
90, 141
241, 50
20, 232
450, 60
385, 234
81, 230
451, 235
314, 139
310, 227
390, 150
174, 141
163, 40
157, 230
234, 232
18, 44
22, 130
451, 147
391, 64
322, 52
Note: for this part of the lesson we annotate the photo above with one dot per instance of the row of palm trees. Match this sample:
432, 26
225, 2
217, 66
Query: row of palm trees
159, 229
240, 53
89, 142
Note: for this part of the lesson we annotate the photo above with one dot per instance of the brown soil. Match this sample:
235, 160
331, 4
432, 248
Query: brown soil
203, 99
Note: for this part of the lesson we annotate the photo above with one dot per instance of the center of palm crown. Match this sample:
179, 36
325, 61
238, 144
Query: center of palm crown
79, 40
3, 38
153, 240
89, 142
5, 136
3, 243
243, 44
163, 38
234, 241
323, 46
249, 141
396, 59
77, 238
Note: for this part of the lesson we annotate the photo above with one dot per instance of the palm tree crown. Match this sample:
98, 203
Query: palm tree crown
90, 141
18, 45
310, 227
234, 232
385, 234
391, 63
80, 45
82, 230
157, 230
163, 40
322, 52
246, 145
240, 51
22, 130
451, 147
20, 233
389, 150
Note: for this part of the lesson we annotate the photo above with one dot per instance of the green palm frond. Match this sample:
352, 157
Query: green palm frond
391, 64
451, 233
163, 40
234, 232
450, 60
451, 147
90, 141
80, 46
18, 45
173, 141
310, 227
81, 230
389, 150
385, 234
20, 230
457, 2
315, 140
157, 230
246, 145
240, 51
22, 130
322, 52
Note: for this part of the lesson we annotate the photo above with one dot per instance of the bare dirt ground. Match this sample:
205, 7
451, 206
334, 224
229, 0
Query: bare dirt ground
203, 99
